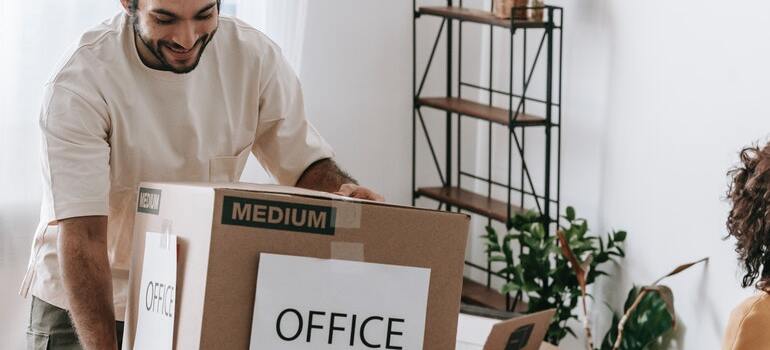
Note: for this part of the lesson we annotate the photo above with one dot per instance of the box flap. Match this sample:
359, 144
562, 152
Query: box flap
521, 333
288, 190
252, 187
473, 330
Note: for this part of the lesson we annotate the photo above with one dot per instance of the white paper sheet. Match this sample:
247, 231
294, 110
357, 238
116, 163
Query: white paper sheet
157, 306
388, 302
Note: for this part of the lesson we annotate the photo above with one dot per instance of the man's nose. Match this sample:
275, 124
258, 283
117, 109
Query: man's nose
186, 37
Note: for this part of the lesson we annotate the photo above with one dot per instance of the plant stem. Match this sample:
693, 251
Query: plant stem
623, 320
587, 325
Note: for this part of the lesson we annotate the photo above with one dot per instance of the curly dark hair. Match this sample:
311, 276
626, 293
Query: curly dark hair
749, 219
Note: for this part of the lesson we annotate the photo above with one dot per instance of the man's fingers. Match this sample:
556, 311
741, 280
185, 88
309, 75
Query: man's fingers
355, 191
365, 193
346, 190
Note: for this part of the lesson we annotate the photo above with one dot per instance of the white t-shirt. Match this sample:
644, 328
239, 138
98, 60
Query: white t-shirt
109, 122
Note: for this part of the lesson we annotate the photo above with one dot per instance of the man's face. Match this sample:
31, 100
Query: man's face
174, 33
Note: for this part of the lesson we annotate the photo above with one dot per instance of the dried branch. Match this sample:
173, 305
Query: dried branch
581, 271
665, 294
623, 320
679, 269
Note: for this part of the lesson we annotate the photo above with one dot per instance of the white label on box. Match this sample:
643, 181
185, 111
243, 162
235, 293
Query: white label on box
314, 304
157, 293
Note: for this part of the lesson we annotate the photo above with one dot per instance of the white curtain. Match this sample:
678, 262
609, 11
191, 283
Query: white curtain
282, 20
34, 34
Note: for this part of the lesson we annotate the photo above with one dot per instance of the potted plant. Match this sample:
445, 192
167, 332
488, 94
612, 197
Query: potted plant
542, 274
554, 271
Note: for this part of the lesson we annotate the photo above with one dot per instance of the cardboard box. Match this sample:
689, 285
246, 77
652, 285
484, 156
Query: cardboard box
477, 330
218, 256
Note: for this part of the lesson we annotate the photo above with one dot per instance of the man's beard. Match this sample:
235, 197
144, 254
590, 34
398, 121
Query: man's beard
164, 63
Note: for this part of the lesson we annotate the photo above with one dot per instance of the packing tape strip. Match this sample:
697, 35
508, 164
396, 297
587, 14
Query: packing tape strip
347, 214
347, 251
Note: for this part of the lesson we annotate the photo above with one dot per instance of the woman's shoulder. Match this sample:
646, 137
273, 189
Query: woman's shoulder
749, 324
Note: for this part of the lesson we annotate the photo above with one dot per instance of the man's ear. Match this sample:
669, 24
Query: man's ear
126, 5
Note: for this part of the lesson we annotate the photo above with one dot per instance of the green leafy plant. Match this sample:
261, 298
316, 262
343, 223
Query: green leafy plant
554, 271
651, 321
648, 315
541, 272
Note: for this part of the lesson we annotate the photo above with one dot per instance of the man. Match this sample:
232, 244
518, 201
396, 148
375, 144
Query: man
167, 91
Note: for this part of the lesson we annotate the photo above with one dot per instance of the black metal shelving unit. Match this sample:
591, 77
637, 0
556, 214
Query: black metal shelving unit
451, 195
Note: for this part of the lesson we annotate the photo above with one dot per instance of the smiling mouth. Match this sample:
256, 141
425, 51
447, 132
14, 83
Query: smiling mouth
181, 54
179, 51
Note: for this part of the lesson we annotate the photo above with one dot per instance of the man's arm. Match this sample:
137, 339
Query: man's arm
85, 269
325, 175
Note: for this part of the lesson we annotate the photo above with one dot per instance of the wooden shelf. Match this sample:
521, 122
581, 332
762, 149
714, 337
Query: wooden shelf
478, 110
477, 16
475, 293
470, 201
476, 310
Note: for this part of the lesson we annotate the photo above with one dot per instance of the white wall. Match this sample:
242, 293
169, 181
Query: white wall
357, 88
659, 98
686, 90
357, 78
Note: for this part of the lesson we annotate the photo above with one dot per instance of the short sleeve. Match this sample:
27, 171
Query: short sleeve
285, 141
748, 325
75, 155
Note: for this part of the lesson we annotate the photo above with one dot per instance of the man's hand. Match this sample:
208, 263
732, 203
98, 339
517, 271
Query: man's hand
82, 248
356, 191
325, 175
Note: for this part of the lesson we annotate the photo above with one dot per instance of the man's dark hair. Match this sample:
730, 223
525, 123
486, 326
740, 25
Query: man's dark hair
749, 218
135, 5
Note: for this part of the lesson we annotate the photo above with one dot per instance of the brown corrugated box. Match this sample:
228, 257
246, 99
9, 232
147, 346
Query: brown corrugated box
218, 260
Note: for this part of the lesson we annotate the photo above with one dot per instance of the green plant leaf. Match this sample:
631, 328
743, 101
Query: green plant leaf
541, 271
622, 252
571, 332
510, 287
529, 286
645, 325
667, 296
630, 297
570, 214
497, 258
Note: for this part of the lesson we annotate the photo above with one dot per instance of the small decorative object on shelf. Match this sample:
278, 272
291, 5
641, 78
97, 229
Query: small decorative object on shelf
502, 9
536, 13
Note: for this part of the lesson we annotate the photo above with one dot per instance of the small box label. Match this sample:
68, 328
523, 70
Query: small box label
148, 201
278, 215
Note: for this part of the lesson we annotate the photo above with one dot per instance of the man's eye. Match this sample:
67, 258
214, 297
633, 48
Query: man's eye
163, 21
205, 17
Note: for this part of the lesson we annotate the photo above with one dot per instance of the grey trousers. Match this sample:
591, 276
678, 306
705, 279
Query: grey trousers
50, 327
